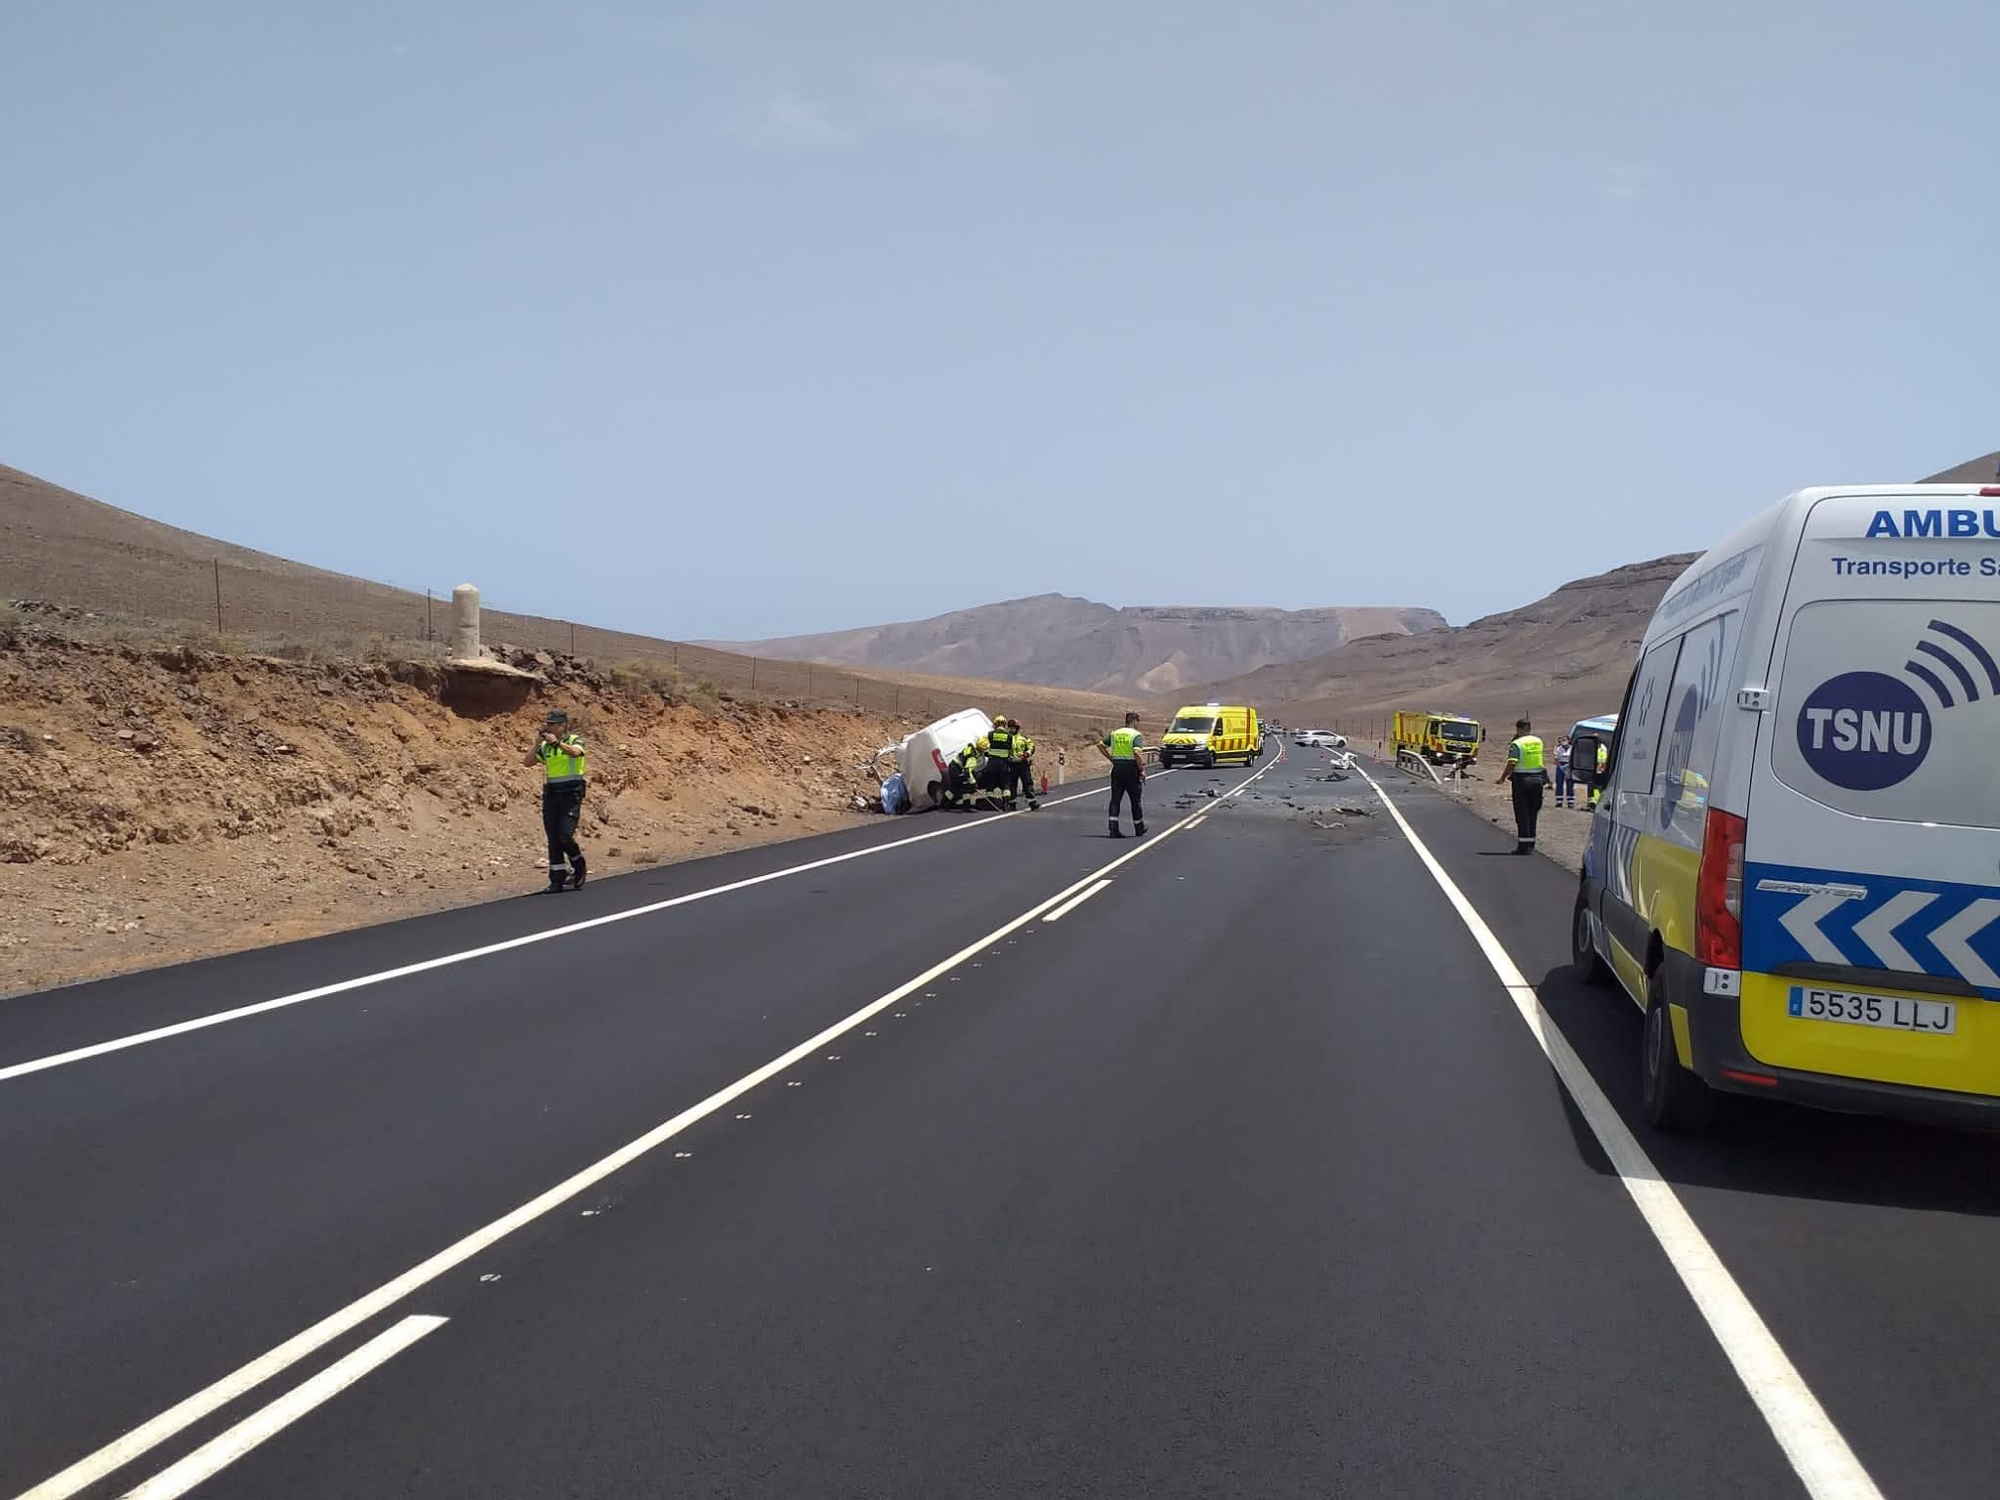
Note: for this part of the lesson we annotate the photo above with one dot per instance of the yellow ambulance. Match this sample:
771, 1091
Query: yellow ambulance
1208, 734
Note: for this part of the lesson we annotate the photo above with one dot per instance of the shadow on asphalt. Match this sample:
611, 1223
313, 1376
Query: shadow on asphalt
1760, 1146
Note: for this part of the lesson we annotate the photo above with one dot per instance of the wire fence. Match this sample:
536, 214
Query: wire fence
259, 608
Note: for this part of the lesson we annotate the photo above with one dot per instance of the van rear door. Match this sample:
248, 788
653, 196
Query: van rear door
1871, 888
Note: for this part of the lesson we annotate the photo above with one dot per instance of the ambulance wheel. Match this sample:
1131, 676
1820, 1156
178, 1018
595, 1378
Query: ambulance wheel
1209, 760
1676, 1101
1590, 968
1166, 762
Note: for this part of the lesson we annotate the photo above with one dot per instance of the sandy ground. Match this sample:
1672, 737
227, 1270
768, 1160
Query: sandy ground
163, 805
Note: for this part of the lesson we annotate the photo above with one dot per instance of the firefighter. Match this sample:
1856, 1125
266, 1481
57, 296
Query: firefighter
1529, 779
1126, 750
559, 752
998, 746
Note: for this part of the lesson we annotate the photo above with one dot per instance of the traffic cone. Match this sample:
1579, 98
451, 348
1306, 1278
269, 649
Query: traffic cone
1045, 783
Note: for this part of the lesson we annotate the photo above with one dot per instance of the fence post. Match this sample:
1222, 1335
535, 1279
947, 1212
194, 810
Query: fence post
857, 691
753, 674
427, 614
809, 679
572, 637
218, 596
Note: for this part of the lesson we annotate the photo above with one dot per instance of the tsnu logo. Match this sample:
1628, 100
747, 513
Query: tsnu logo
1868, 731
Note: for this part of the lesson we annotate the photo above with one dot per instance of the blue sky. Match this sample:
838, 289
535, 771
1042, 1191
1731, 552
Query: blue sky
699, 318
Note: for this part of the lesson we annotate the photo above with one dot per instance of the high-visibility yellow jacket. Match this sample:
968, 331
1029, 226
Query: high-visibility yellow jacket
562, 761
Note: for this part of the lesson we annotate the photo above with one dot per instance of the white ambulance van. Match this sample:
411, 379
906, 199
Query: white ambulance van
1795, 868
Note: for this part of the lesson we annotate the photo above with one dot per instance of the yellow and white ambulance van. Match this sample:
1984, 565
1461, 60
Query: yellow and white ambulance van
1205, 734
1795, 867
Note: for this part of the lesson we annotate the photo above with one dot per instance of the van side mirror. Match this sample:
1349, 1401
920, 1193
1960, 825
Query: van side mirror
1583, 760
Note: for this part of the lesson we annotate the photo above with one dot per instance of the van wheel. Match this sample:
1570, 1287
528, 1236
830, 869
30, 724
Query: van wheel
1583, 953
1676, 1100
935, 791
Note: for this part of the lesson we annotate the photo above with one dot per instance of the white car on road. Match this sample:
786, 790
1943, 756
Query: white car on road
1325, 738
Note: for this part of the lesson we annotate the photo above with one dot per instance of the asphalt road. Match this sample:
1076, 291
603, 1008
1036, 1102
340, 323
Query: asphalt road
1244, 1176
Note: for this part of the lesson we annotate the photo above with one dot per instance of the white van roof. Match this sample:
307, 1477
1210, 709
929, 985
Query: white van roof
1783, 522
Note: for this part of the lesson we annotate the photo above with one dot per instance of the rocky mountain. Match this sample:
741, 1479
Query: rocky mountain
1563, 656
1984, 469
1059, 641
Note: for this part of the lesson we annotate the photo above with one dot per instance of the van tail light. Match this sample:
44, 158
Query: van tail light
1718, 893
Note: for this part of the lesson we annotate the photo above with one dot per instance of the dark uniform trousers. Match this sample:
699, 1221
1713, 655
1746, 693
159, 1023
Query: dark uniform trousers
562, 805
1126, 782
1528, 789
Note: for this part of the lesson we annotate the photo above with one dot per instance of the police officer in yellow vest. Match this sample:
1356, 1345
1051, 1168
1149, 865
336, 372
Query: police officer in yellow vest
1528, 774
1603, 765
559, 752
1126, 751
1024, 765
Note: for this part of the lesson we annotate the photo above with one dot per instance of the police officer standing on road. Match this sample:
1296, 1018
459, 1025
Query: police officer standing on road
1024, 764
559, 752
1524, 769
1126, 750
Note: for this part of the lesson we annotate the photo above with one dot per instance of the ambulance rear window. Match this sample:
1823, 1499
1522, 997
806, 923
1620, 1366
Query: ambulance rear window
1890, 708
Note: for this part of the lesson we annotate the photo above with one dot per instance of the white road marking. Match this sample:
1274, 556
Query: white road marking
1200, 819
142, 1439
1075, 901
446, 960
1818, 1453
267, 1422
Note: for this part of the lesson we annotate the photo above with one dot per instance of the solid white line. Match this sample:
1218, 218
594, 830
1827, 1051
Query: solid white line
267, 1422
445, 960
149, 1435
1075, 901
1200, 818
1818, 1453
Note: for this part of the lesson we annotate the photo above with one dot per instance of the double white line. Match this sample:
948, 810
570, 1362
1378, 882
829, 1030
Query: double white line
212, 1398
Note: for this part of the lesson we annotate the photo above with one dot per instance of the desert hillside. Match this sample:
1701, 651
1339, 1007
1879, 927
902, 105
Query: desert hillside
1563, 656
1077, 643
137, 575
163, 802
1984, 469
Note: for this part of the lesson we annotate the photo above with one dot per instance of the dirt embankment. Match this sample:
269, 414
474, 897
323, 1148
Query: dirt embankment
158, 804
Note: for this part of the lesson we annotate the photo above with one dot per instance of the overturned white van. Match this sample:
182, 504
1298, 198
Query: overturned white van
1795, 868
922, 757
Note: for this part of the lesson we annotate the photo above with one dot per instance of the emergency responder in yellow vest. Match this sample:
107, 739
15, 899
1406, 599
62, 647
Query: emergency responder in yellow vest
1024, 765
559, 752
1603, 765
1529, 779
1126, 750
997, 744
965, 772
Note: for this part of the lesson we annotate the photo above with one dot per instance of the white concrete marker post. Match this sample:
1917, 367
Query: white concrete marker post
465, 622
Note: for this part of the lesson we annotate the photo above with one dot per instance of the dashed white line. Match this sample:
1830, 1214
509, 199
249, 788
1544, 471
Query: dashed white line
268, 1421
1075, 901
1818, 1453
142, 1439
